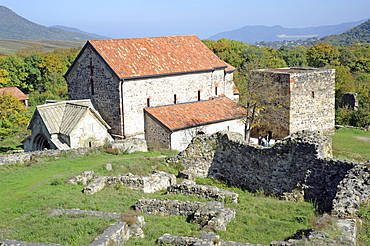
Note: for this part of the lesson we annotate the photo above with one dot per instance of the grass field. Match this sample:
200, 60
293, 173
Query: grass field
29, 191
351, 144
8, 46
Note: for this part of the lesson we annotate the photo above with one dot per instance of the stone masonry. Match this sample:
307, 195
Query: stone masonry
189, 187
311, 100
300, 162
209, 215
120, 101
158, 180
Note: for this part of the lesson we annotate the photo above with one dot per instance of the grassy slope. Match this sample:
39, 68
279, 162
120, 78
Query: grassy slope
41, 186
8, 46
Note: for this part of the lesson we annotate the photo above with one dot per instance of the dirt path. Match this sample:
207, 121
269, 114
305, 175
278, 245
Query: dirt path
365, 139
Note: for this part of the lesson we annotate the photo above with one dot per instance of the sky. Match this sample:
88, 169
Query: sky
204, 18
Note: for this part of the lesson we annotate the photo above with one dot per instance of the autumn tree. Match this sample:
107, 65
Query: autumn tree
13, 115
260, 94
4, 78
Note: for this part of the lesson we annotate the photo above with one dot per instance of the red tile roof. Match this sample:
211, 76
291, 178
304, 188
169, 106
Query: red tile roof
141, 57
15, 92
183, 115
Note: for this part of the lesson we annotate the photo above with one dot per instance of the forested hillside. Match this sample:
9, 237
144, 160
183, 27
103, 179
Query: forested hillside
359, 34
13, 26
256, 34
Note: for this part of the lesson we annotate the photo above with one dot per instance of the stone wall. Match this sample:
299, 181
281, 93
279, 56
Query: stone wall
101, 86
310, 96
158, 180
129, 145
349, 99
209, 215
159, 91
298, 163
312, 103
189, 187
28, 156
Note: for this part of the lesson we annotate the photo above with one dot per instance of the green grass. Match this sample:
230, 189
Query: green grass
351, 144
28, 193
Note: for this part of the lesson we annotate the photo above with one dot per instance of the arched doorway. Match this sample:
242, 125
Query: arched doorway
40, 143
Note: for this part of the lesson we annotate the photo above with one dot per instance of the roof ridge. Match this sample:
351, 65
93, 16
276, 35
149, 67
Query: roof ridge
132, 58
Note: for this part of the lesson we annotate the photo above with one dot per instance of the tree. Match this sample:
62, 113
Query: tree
16, 70
4, 78
321, 55
294, 57
261, 94
12, 115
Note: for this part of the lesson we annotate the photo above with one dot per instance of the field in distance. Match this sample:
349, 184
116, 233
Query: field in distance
9, 46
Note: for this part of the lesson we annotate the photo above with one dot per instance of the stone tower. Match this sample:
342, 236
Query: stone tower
310, 97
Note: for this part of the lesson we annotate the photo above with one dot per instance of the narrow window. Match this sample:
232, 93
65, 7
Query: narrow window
216, 90
92, 86
313, 94
148, 102
90, 145
198, 95
174, 99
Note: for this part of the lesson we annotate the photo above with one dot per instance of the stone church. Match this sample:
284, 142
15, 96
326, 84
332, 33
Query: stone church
131, 82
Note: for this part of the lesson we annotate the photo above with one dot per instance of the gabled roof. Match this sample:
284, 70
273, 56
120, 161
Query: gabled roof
146, 57
62, 117
15, 92
186, 115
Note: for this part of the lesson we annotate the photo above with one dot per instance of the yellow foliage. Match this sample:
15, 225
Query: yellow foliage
4, 77
12, 114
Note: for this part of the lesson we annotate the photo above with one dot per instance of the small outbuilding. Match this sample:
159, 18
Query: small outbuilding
16, 93
65, 125
174, 126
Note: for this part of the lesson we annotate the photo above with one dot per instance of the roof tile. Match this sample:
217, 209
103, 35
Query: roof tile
177, 116
15, 92
141, 57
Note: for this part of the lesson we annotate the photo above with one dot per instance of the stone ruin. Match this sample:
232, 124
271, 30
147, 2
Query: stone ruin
116, 234
298, 168
209, 215
349, 99
148, 184
189, 187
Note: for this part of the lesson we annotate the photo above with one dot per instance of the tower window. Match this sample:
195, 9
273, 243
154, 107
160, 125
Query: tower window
174, 99
199, 95
148, 102
92, 86
313, 94
216, 90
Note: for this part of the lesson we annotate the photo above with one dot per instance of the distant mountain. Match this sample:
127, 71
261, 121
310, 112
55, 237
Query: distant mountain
13, 26
254, 34
72, 29
358, 34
